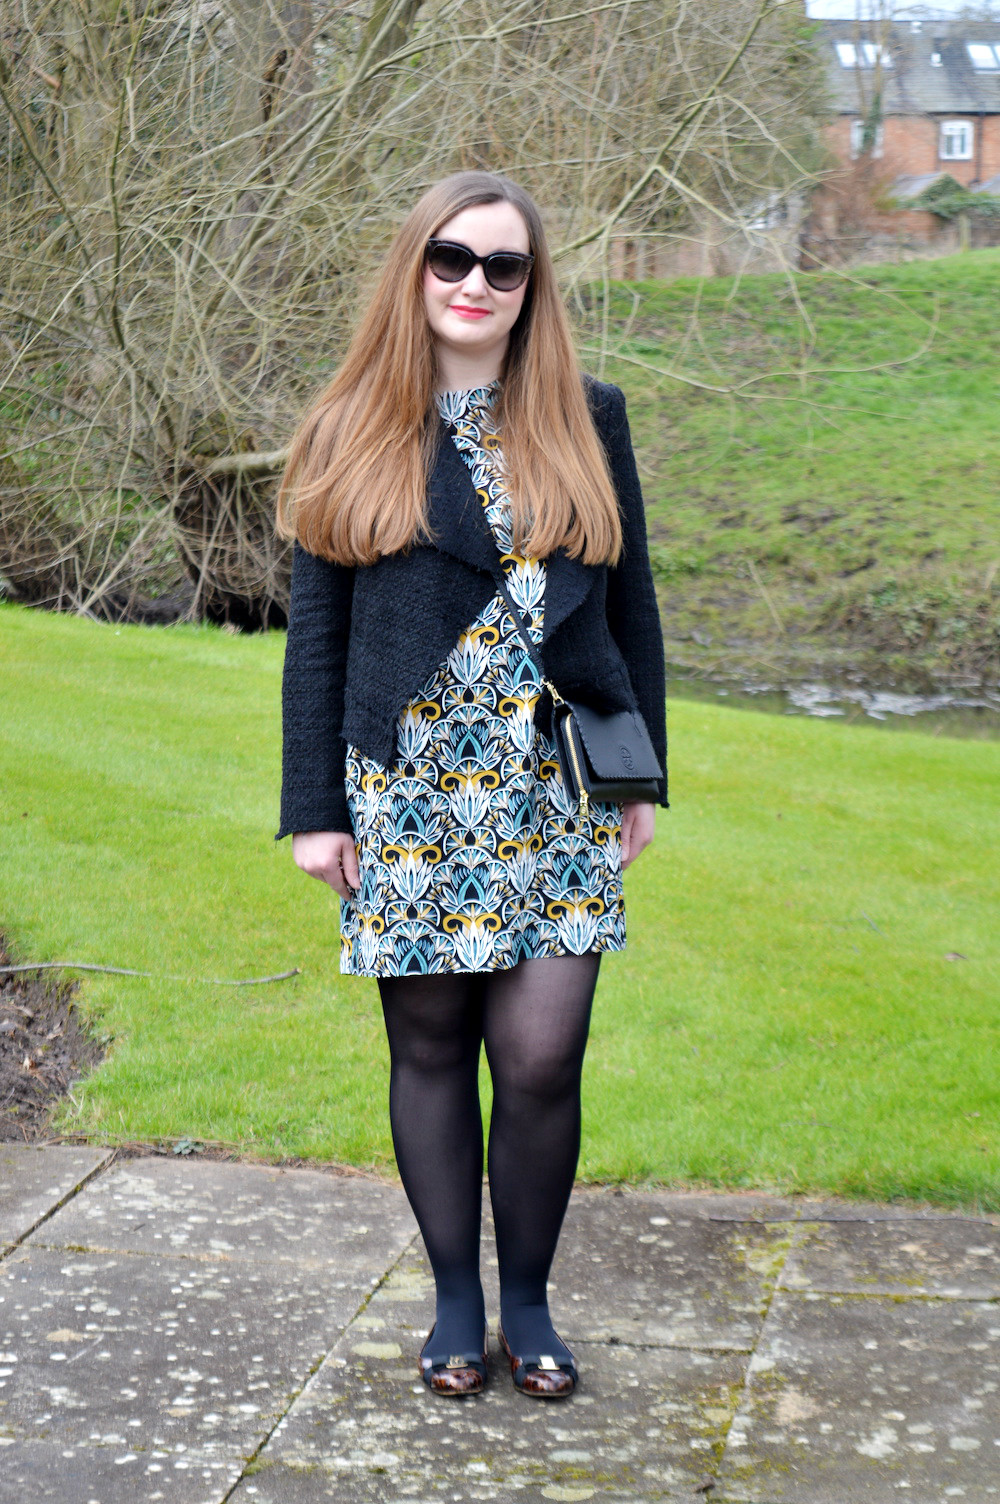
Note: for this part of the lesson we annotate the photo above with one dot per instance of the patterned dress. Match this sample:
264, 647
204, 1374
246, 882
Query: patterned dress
471, 856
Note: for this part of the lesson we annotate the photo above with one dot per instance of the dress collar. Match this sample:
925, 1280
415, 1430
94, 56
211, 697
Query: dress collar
473, 402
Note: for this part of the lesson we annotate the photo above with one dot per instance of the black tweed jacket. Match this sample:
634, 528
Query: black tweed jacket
363, 641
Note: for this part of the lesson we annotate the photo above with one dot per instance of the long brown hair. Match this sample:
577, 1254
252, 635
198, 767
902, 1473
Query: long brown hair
355, 483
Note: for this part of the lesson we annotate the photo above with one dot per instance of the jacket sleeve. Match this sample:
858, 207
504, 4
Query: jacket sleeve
313, 793
633, 612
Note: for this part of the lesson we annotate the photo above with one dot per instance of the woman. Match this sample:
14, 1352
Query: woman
457, 447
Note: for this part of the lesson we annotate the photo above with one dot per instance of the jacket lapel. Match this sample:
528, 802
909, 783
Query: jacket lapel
567, 583
459, 527
455, 513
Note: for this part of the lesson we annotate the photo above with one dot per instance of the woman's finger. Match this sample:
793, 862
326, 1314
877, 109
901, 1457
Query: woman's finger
351, 871
638, 829
628, 819
334, 875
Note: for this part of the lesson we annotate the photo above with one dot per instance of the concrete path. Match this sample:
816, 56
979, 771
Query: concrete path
193, 1332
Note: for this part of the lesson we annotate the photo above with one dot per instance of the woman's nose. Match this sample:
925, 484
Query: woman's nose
476, 283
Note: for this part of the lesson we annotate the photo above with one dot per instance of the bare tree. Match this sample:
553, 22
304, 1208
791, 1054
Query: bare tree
197, 190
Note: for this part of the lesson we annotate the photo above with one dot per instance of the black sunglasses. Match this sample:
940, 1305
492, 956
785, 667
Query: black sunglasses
452, 262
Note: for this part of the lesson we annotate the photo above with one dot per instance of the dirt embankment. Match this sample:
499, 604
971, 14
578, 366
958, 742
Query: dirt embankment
44, 1048
735, 625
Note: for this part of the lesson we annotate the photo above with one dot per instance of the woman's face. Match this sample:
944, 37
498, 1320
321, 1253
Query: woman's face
470, 320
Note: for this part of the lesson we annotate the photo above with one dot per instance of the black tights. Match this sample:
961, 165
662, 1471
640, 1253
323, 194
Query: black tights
533, 1020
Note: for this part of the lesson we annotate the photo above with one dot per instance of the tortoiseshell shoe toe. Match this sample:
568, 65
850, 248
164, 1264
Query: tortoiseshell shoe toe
453, 1374
539, 1375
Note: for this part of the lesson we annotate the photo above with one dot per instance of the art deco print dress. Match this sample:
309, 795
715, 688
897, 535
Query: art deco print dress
471, 856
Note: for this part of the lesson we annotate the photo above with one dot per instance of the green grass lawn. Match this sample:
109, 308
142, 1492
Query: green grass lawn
785, 1015
836, 460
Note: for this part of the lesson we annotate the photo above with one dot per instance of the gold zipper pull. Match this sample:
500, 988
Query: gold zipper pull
584, 804
557, 697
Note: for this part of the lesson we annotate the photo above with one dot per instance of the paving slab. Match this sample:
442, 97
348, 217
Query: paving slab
200, 1332
868, 1399
34, 1180
762, 1206
960, 1259
213, 1208
283, 1484
648, 1270
644, 1424
139, 1353
36, 1472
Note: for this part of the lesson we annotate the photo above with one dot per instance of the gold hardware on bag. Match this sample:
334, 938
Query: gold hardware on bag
584, 795
584, 802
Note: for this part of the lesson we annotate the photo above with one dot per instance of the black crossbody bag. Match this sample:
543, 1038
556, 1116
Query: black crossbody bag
602, 754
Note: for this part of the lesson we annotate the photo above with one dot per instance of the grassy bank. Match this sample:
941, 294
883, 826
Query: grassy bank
786, 1012
820, 455
849, 514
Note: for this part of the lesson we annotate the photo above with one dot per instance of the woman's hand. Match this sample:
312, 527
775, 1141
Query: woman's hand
329, 855
638, 827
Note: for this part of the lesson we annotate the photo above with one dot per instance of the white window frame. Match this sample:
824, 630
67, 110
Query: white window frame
857, 132
951, 128
984, 56
862, 55
874, 54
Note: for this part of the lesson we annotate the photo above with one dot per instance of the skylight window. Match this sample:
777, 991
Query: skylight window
984, 56
862, 55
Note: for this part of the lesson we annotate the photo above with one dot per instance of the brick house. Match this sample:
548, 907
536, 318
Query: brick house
926, 95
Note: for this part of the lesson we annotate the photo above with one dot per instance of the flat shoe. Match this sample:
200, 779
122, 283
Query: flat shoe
453, 1374
539, 1375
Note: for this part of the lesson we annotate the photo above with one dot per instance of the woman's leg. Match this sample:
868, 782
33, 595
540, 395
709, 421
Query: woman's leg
535, 1022
434, 1024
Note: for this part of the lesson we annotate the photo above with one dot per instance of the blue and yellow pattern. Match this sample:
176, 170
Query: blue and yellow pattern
471, 856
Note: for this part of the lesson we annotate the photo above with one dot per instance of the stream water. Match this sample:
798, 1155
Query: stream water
964, 712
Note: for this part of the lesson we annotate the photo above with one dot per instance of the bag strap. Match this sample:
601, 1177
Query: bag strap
519, 620
533, 654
